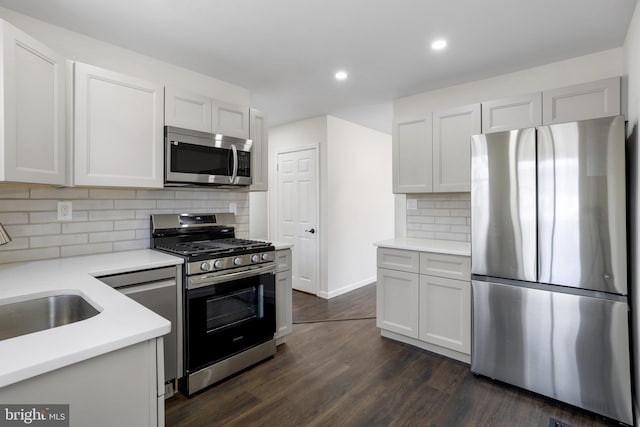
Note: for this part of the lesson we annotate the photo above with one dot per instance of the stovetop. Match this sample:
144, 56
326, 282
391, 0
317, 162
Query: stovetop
213, 247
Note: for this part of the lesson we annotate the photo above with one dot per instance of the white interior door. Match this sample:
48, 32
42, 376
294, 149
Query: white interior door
298, 214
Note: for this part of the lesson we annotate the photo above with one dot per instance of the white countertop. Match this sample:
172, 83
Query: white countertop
121, 322
427, 245
282, 245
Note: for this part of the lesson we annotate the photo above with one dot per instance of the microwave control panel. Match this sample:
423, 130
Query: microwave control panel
244, 163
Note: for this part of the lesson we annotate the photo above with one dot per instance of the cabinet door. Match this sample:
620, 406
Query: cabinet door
397, 302
284, 306
259, 150
412, 156
452, 130
581, 102
118, 129
187, 110
512, 113
230, 119
445, 313
34, 110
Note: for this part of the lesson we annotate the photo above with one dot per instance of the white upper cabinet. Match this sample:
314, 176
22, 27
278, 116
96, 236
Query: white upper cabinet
581, 102
33, 141
452, 130
187, 110
230, 119
118, 129
512, 113
258, 133
412, 155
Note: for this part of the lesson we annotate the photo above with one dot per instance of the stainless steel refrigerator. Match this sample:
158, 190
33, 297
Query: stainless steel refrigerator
549, 264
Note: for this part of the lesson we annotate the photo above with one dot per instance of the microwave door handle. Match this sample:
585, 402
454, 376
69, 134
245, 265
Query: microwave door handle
234, 174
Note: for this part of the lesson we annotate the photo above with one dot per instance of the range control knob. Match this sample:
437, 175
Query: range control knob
265, 257
255, 258
205, 266
217, 264
237, 261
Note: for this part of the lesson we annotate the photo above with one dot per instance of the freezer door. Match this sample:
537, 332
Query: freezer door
581, 205
503, 205
573, 348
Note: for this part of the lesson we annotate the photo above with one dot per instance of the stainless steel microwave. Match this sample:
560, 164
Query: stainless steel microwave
195, 158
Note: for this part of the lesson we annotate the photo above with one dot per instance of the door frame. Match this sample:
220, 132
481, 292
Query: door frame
319, 226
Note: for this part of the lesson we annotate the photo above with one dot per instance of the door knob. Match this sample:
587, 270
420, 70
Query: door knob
312, 231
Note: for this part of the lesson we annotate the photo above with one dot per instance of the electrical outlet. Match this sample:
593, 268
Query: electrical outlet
233, 208
65, 211
412, 204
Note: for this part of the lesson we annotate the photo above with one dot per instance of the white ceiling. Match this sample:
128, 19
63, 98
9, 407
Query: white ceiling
286, 51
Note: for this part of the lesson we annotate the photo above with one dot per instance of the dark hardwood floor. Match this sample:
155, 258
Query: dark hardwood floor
342, 373
357, 304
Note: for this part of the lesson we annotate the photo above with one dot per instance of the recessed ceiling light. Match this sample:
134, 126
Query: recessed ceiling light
341, 75
439, 44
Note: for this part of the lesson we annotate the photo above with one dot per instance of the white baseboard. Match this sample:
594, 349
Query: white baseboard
348, 288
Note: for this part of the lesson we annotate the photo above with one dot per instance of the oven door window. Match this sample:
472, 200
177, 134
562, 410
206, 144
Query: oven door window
229, 310
201, 160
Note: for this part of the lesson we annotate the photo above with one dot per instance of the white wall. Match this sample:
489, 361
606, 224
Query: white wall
360, 209
632, 67
582, 69
78, 47
356, 203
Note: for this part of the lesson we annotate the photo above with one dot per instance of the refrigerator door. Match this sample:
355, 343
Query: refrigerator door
503, 205
581, 205
570, 347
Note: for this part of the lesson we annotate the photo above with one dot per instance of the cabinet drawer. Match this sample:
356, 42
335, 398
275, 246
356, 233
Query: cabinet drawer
444, 265
283, 260
398, 259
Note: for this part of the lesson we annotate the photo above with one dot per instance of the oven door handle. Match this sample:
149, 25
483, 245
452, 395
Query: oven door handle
207, 280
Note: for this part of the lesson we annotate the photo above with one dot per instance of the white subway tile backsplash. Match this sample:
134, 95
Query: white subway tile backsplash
58, 193
443, 216
87, 227
93, 204
112, 236
88, 249
111, 214
29, 255
111, 194
131, 245
14, 193
12, 205
57, 240
135, 204
14, 218
104, 220
32, 230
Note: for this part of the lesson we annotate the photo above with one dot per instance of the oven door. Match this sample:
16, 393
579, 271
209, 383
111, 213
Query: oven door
201, 158
226, 317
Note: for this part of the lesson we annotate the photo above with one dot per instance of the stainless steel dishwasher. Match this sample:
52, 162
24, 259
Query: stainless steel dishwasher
159, 290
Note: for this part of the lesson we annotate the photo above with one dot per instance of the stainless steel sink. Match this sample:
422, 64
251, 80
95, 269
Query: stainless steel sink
25, 317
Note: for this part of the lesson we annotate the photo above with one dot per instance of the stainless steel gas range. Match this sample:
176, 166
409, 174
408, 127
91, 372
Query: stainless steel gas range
229, 295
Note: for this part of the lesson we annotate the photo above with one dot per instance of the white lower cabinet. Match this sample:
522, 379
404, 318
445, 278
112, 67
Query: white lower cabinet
122, 388
431, 311
284, 305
